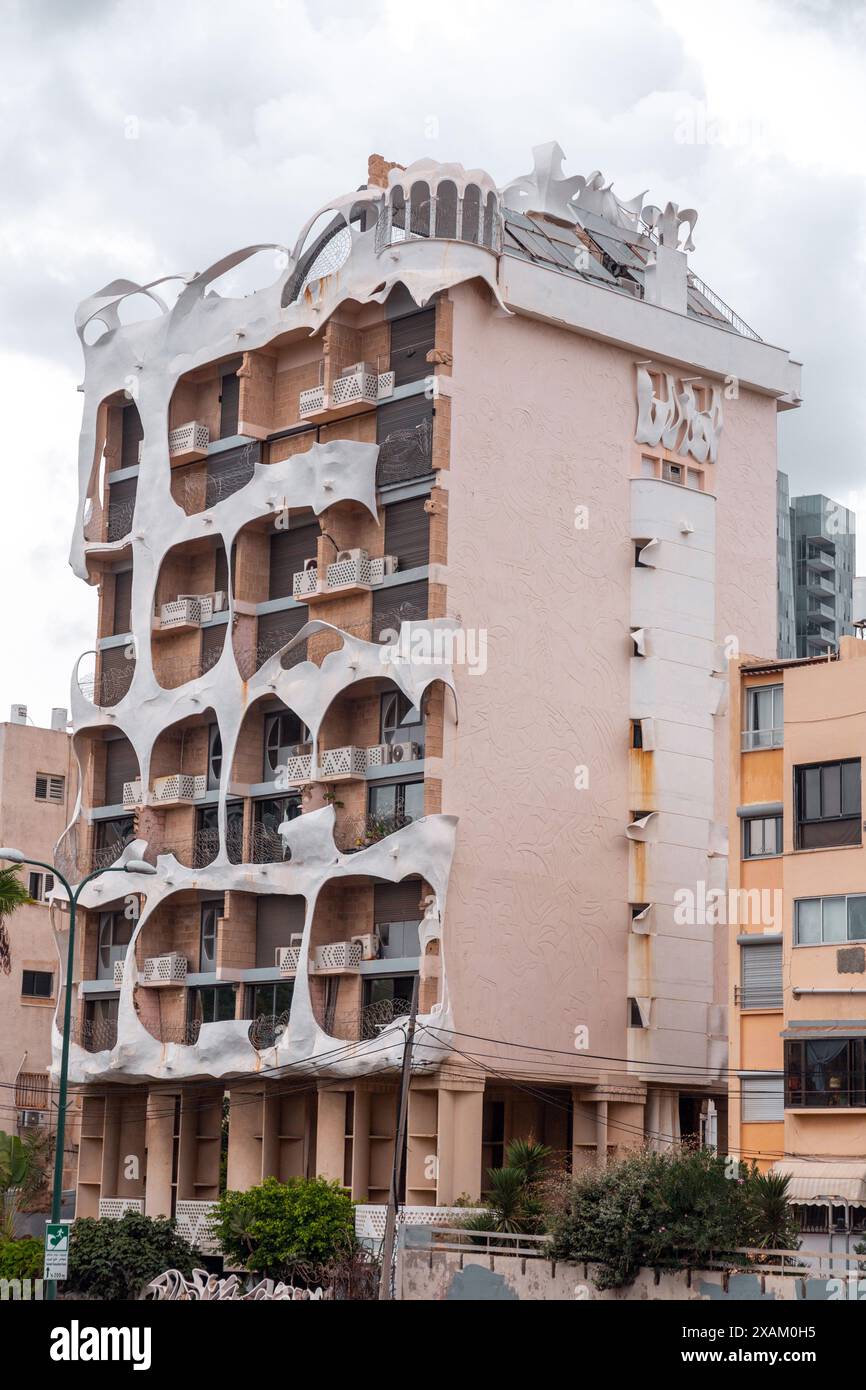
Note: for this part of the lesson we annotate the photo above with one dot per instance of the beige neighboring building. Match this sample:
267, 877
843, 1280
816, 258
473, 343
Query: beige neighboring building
798, 952
37, 793
512, 429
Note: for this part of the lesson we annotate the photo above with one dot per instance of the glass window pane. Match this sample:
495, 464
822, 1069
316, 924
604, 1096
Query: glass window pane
414, 801
811, 783
835, 921
808, 912
857, 919
778, 706
851, 788
831, 790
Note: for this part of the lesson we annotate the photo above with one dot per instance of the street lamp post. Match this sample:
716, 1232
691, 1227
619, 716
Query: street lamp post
136, 866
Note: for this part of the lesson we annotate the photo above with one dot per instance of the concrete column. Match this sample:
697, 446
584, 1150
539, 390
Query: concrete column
331, 1135
459, 1143
361, 1146
601, 1133
160, 1147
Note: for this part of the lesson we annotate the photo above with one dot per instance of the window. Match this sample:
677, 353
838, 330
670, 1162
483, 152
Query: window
49, 787
395, 990
825, 1072
636, 734
40, 887
270, 1000
820, 921
761, 976
400, 721
399, 939
37, 984
762, 1099
267, 846
398, 801
207, 836
212, 1004
211, 912
214, 758
827, 800
115, 934
285, 736
762, 836
764, 717
230, 388
636, 1016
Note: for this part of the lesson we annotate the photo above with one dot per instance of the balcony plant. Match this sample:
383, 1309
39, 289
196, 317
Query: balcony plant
114, 1259
276, 1227
514, 1200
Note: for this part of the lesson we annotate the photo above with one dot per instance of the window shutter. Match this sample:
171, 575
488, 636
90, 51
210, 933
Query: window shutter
41, 788
762, 1099
121, 765
398, 902
289, 550
230, 399
122, 602
404, 433
762, 976
412, 338
230, 470
399, 603
131, 437
407, 532
55, 788
116, 670
278, 919
276, 629
212, 643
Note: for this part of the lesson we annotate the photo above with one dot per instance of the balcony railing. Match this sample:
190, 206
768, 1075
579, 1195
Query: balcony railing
762, 738
758, 996
95, 1035
266, 1030
288, 960
120, 516
180, 670
266, 846
250, 662
342, 762
351, 567
109, 687
191, 610
113, 1208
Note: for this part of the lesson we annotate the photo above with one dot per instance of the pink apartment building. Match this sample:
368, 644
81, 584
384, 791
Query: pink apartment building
419, 568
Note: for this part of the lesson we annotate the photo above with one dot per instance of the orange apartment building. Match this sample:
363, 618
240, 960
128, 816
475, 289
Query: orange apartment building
413, 568
798, 952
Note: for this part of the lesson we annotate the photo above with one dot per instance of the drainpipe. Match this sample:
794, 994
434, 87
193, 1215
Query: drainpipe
815, 989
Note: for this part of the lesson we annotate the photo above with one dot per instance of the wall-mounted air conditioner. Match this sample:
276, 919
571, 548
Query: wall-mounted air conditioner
405, 752
674, 473
370, 945
379, 755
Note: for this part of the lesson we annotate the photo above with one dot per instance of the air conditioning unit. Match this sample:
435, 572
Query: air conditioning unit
674, 473
405, 752
351, 555
18, 714
32, 1119
379, 755
220, 600
370, 945
356, 367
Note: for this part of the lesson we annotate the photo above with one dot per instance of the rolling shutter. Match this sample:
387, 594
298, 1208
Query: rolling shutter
230, 470
404, 433
276, 629
230, 399
289, 550
122, 602
762, 1099
412, 338
212, 643
131, 436
121, 507
761, 967
121, 765
397, 902
399, 603
116, 669
278, 919
407, 532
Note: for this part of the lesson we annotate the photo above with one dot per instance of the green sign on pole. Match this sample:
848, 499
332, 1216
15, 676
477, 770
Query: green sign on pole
56, 1250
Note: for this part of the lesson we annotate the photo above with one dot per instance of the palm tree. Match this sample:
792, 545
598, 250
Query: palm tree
12, 894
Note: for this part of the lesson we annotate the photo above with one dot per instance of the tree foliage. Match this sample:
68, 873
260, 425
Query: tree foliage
673, 1209
21, 1259
13, 894
114, 1260
514, 1200
271, 1228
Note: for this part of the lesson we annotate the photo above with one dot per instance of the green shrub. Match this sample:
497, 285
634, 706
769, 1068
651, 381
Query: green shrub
22, 1259
673, 1209
113, 1260
270, 1228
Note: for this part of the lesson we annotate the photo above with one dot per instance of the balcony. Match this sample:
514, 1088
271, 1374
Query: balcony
816, 583
342, 764
297, 769
95, 1034
338, 957
758, 996
353, 571
189, 611
165, 970
188, 443
177, 789
360, 385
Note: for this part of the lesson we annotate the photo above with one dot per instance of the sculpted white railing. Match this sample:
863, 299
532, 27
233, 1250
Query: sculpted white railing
203, 1287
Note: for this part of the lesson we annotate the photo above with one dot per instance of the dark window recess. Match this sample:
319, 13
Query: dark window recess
412, 338
122, 602
230, 470
407, 532
492, 1134
636, 734
825, 1072
828, 804
404, 433
132, 433
121, 765
212, 642
230, 399
37, 984
275, 630
399, 603
121, 508
214, 757
212, 1004
207, 837
278, 919
221, 569
116, 666
267, 843
289, 550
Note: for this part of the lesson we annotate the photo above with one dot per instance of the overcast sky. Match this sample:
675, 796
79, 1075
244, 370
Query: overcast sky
143, 139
